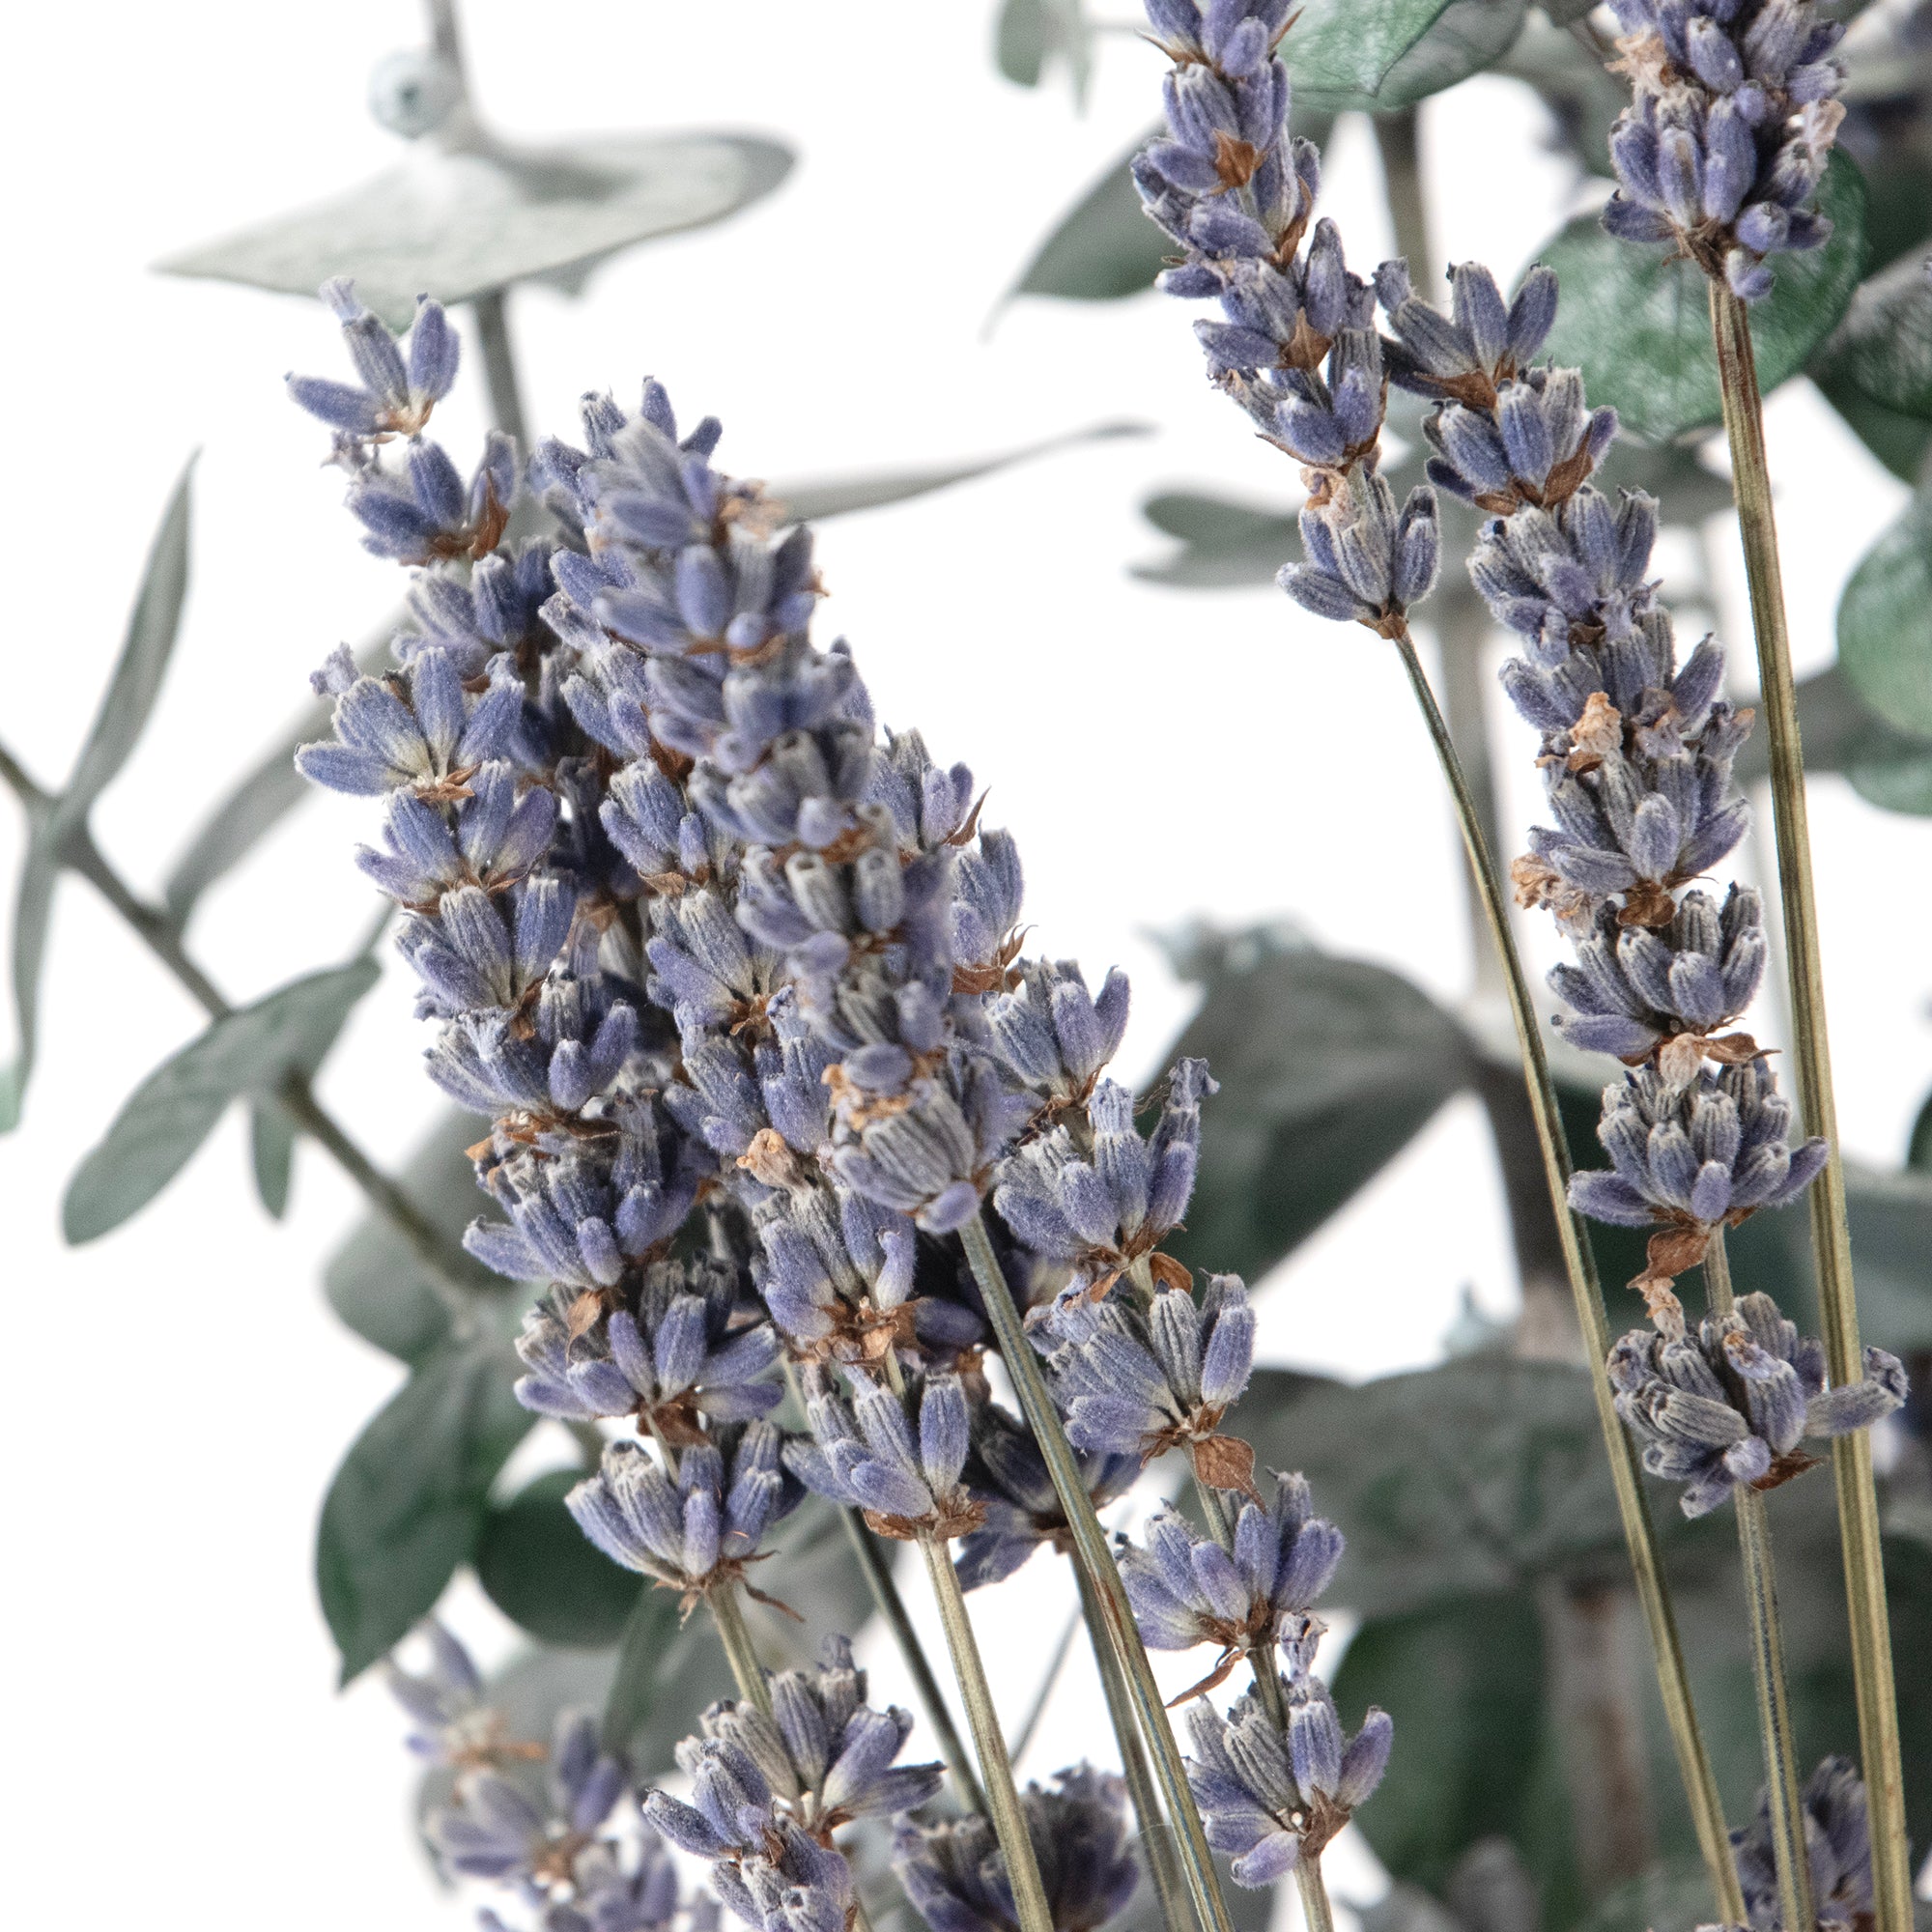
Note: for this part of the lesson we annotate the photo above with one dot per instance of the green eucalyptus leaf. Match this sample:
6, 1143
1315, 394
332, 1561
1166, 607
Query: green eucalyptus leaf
816, 499
33, 913
1328, 1067
1637, 323
173, 1111
1020, 39
271, 1152
1104, 246
1473, 1477
1379, 55
1888, 767
1898, 442
1918, 1148
669, 1670
375, 1281
136, 678
1883, 348
544, 1574
1227, 545
1475, 1755
458, 225
1885, 622
407, 1504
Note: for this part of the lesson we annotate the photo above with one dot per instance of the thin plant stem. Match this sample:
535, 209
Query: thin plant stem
890, 1606
1830, 1233
1096, 1560
996, 1767
1767, 1634
1693, 1758
729, 1614
499, 364
1316, 1912
1156, 1834
1398, 141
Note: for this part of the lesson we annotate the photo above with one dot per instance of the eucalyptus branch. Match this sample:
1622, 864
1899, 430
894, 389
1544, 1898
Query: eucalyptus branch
1880, 1745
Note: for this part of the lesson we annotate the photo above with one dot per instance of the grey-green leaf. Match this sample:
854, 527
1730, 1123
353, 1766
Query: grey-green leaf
665, 1677
1327, 1067
136, 678
1019, 41
271, 1152
1226, 544
1383, 54
1885, 622
375, 1281
1898, 442
815, 500
1888, 767
1104, 246
172, 1112
460, 225
407, 1504
1637, 323
542, 1573
1884, 345
33, 913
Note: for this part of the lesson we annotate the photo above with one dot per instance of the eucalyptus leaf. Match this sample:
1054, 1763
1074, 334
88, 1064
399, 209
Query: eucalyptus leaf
544, 1574
1379, 55
816, 499
173, 1111
1885, 622
1104, 246
1328, 1067
1639, 325
135, 681
1883, 348
1227, 545
1899, 442
33, 913
458, 225
407, 1504
1888, 767
376, 1283
1475, 1757
666, 1673
1919, 1146
1473, 1477
1021, 40
272, 1150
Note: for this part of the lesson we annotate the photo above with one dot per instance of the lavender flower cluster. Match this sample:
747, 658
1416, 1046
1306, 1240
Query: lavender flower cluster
709, 950
1637, 749
1723, 147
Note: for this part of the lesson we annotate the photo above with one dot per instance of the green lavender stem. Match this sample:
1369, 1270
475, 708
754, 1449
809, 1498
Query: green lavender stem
729, 1614
1316, 1914
1693, 1758
1002, 1794
1830, 1233
1097, 1564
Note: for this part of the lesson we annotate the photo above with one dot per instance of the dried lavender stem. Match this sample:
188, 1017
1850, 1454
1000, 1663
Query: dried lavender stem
1156, 1834
1002, 1794
1316, 1914
1830, 1235
890, 1606
1096, 1561
727, 1613
1693, 1759
446, 1277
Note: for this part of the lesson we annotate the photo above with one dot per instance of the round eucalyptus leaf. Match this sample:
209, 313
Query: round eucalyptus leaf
544, 1574
1883, 346
458, 225
1378, 55
1638, 322
1885, 623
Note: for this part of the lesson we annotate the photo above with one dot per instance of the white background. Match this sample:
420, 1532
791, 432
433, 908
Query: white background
180, 1394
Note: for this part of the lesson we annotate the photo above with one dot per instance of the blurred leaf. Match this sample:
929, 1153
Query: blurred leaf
1687, 492
1885, 622
1883, 348
1671, 1897
1889, 768
1899, 443
1465, 1682
1328, 1067
375, 1282
1228, 545
1020, 40
272, 1150
33, 910
665, 1675
407, 1504
460, 225
1385, 55
1104, 246
1638, 323
173, 1111
544, 1574
136, 678
1473, 1477
1899, 216
1919, 1148
814, 501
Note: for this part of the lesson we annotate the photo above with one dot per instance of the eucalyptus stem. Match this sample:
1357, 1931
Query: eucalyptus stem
890, 1606
1693, 1758
1156, 1834
1096, 1561
1316, 1911
1830, 1231
747, 1672
1002, 1793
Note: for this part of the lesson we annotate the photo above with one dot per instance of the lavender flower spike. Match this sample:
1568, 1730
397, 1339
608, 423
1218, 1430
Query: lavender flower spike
1729, 1407
956, 1876
1837, 1847
396, 392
